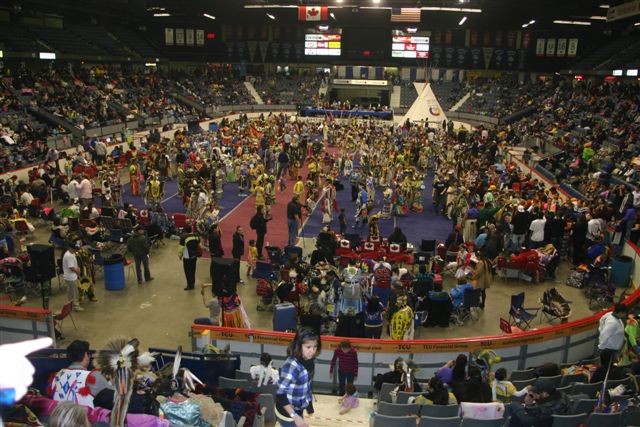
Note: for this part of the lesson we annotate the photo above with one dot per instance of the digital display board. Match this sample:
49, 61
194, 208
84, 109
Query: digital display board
322, 44
407, 46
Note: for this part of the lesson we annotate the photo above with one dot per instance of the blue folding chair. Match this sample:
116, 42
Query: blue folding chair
518, 314
264, 270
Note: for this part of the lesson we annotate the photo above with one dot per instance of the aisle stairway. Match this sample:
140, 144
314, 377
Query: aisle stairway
460, 102
252, 90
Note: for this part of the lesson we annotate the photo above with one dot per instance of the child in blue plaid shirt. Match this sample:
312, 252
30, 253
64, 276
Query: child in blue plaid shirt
294, 393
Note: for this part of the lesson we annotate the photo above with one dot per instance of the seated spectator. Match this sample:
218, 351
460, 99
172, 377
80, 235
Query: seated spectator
437, 394
474, 389
502, 389
457, 293
541, 403
398, 237
392, 377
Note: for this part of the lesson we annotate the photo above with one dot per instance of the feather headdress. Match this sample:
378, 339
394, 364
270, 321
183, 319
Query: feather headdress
183, 379
118, 362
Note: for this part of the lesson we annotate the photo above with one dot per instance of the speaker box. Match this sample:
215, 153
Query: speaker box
224, 274
43, 262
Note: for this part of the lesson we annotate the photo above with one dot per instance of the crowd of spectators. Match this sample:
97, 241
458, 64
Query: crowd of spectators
213, 86
280, 89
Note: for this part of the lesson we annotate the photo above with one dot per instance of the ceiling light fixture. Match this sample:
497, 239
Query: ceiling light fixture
161, 15
375, 1
271, 16
598, 18
604, 6
412, 30
533, 21
560, 21
332, 15
463, 20
452, 9
206, 15
323, 27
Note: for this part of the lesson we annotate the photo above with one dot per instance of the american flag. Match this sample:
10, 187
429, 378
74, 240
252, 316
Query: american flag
405, 14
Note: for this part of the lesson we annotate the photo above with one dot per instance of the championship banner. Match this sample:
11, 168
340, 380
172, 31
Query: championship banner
199, 37
313, 13
190, 36
462, 53
540, 47
179, 36
498, 38
252, 50
475, 57
487, 53
526, 39
562, 47
551, 47
168, 36
572, 48
263, 50
499, 55
448, 55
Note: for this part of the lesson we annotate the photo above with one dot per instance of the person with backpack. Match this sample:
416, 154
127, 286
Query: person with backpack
259, 224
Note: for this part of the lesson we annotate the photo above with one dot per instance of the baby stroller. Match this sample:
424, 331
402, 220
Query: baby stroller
265, 290
12, 276
555, 306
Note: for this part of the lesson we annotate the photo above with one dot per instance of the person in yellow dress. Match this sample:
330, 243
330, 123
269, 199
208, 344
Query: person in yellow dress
260, 197
402, 321
134, 177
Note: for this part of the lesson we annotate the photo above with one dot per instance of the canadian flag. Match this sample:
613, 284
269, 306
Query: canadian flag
313, 13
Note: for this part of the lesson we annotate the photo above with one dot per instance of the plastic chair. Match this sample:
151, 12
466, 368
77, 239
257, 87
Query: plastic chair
385, 392
398, 409
507, 328
556, 380
518, 314
224, 382
243, 375
519, 385
471, 422
584, 406
569, 420
439, 422
268, 403
589, 389
604, 420
391, 421
58, 318
403, 396
569, 380
440, 411
523, 375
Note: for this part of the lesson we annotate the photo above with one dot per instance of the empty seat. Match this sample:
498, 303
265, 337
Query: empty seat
398, 409
224, 382
588, 389
390, 421
523, 375
439, 422
440, 411
569, 420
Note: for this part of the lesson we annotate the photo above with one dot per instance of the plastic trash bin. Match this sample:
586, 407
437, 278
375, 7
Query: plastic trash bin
114, 273
621, 269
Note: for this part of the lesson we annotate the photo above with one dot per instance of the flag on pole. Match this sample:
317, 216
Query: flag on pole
405, 14
313, 13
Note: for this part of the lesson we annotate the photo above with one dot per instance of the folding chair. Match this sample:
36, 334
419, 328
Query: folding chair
403, 396
519, 385
556, 380
518, 314
470, 305
385, 392
428, 246
554, 306
584, 406
506, 327
242, 375
472, 422
568, 380
181, 221
58, 318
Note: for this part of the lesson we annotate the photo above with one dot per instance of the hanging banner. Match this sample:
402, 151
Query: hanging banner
448, 55
462, 54
436, 55
474, 37
551, 47
437, 37
519, 40
230, 48
511, 39
475, 57
467, 38
562, 47
526, 40
199, 37
275, 50
179, 36
572, 48
511, 59
487, 53
252, 50
189, 33
540, 47
448, 37
486, 38
263, 50
498, 58
168, 36
522, 55
498, 38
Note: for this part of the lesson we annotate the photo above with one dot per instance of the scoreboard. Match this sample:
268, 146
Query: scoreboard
410, 47
322, 44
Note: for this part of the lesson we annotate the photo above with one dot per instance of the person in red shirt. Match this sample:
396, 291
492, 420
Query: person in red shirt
347, 357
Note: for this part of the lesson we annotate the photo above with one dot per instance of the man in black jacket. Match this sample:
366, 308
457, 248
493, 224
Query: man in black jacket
521, 221
540, 405
237, 249
259, 223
